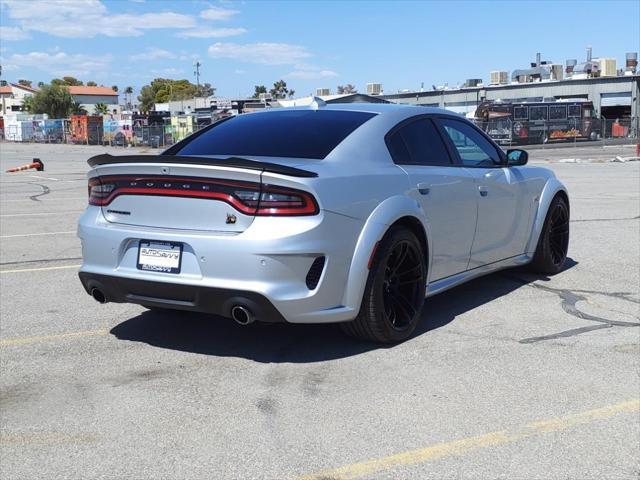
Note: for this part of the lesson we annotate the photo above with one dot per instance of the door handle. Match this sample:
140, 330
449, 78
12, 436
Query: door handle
424, 188
483, 191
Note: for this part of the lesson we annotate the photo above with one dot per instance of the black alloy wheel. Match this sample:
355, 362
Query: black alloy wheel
402, 296
559, 233
395, 290
553, 244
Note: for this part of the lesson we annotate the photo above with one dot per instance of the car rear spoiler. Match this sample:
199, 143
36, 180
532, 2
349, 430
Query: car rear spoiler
238, 162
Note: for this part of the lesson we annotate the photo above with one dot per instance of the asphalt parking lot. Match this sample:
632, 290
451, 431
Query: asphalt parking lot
511, 376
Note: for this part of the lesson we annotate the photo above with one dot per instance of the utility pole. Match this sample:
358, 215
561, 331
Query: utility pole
196, 72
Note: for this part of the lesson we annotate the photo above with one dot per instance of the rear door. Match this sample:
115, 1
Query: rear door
446, 193
504, 201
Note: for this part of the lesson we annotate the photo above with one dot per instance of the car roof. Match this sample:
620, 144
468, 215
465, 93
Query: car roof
378, 108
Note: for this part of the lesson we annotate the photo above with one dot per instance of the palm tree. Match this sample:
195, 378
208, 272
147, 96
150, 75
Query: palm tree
128, 92
279, 89
100, 109
78, 109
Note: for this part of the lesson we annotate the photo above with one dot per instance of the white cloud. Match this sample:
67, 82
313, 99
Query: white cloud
60, 63
89, 18
211, 32
239, 71
311, 74
168, 71
217, 13
260, 53
153, 54
12, 34
308, 71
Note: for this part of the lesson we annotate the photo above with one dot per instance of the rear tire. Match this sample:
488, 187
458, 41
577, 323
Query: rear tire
553, 244
395, 290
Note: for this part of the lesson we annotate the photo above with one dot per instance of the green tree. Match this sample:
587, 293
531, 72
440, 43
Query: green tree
348, 88
26, 83
127, 96
91, 83
279, 89
291, 93
40, 84
54, 100
162, 90
258, 90
78, 109
100, 109
114, 88
72, 81
68, 81
27, 104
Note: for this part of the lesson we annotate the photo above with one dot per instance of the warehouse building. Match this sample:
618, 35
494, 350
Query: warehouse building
614, 93
612, 97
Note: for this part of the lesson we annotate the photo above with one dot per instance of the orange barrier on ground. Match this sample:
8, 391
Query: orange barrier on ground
37, 164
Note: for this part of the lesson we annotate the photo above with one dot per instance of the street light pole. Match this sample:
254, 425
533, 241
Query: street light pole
196, 72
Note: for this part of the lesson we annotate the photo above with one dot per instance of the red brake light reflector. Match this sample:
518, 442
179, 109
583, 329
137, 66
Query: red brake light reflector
249, 198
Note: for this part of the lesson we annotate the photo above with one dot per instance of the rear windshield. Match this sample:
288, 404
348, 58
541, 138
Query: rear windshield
281, 133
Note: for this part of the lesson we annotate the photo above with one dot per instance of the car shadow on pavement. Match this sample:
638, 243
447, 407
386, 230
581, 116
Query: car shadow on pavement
276, 343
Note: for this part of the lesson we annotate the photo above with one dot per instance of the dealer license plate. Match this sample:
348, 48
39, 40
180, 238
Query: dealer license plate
155, 256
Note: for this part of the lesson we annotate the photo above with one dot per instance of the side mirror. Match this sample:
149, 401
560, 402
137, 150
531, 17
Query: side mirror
517, 157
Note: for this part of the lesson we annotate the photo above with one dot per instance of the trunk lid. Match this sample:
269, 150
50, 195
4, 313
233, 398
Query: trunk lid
182, 193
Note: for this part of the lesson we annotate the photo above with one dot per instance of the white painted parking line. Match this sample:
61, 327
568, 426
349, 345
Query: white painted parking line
44, 178
41, 214
37, 234
57, 199
42, 269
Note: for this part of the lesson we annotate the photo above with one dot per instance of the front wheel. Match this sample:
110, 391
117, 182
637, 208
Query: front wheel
395, 290
553, 244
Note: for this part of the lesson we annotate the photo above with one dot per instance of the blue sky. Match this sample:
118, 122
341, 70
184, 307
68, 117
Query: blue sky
308, 44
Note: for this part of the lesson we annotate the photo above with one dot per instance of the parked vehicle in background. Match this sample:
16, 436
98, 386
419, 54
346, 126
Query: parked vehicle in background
538, 122
342, 213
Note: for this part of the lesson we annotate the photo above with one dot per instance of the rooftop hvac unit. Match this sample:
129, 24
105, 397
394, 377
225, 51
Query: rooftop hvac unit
556, 71
631, 62
472, 82
374, 88
498, 77
608, 67
322, 92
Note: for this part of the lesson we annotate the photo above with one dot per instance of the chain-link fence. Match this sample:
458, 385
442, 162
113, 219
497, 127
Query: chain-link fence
108, 133
508, 132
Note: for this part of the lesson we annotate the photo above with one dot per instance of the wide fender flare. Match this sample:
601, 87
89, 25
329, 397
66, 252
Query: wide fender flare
383, 216
550, 190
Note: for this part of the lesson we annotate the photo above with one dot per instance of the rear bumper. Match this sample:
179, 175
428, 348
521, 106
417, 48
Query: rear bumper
267, 265
216, 301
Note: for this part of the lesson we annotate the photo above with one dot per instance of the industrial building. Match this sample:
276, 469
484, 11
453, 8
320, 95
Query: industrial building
615, 93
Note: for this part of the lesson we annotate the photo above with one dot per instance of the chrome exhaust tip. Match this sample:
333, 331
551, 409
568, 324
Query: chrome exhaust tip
242, 315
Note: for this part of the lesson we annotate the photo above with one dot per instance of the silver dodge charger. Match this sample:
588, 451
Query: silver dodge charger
328, 213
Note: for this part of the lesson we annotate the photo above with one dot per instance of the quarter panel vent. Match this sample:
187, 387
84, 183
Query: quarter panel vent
315, 272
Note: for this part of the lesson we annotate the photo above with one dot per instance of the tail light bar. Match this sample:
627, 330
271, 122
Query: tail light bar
250, 198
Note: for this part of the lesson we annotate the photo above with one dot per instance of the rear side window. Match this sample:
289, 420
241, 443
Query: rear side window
282, 133
418, 143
